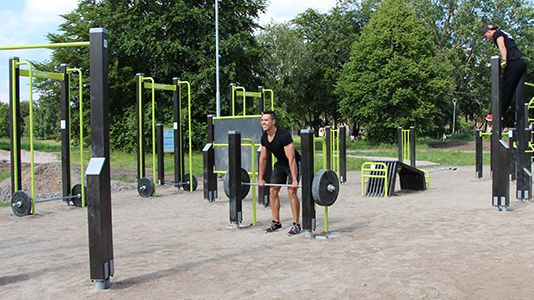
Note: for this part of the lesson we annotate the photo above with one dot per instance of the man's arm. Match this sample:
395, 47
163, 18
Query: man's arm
263, 163
289, 150
502, 50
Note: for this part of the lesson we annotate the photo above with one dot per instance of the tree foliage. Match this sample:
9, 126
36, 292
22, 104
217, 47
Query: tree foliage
165, 39
392, 78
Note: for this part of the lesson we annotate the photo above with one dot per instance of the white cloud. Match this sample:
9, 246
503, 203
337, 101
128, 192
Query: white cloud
29, 26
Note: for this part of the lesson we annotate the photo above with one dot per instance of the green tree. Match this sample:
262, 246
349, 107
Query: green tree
165, 39
304, 59
392, 78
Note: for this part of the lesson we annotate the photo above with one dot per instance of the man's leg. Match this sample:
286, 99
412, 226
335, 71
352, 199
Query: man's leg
295, 204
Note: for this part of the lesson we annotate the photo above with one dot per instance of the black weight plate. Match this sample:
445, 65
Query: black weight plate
145, 187
186, 186
77, 190
320, 193
21, 203
245, 178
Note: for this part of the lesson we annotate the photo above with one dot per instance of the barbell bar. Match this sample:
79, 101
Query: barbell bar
21, 203
325, 186
330, 187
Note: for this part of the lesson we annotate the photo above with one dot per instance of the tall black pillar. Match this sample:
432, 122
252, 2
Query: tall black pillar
412, 146
209, 177
342, 154
139, 112
234, 173
14, 124
178, 133
65, 133
523, 160
307, 171
99, 186
499, 148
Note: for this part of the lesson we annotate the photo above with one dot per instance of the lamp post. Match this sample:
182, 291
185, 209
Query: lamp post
453, 114
217, 85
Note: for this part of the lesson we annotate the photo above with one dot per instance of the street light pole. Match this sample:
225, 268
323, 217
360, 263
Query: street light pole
217, 85
453, 115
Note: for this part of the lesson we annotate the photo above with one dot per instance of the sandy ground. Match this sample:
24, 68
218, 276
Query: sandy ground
445, 243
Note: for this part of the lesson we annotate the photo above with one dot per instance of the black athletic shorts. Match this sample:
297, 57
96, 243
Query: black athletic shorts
282, 174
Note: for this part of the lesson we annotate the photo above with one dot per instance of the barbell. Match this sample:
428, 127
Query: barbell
325, 186
21, 202
145, 186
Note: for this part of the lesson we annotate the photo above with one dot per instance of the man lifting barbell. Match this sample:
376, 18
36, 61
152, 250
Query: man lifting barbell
280, 143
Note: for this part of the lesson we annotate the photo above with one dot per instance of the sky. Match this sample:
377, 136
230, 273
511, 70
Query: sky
29, 21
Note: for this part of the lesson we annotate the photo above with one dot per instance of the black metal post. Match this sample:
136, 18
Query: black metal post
522, 188
234, 173
328, 152
210, 178
499, 148
342, 154
512, 138
160, 154
65, 133
140, 142
178, 133
99, 186
264, 193
412, 146
479, 154
307, 171
14, 124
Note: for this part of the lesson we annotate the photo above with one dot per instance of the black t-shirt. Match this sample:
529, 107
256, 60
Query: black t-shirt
513, 52
281, 139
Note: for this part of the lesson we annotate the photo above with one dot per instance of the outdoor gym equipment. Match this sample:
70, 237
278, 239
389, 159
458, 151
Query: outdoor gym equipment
78, 199
145, 185
323, 187
98, 171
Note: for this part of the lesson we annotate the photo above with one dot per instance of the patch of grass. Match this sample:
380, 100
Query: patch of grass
38, 145
5, 204
123, 178
5, 174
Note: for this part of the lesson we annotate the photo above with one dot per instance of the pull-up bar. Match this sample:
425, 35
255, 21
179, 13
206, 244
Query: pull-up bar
49, 46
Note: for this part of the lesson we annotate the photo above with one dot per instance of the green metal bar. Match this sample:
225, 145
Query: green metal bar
46, 46
272, 97
234, 88
32, 169
529, 84
248, 94
253, 164
159, 86
80, 112
14, 122
186, 83
219, 172
236, 117
43, 74
323, 144
226, 145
